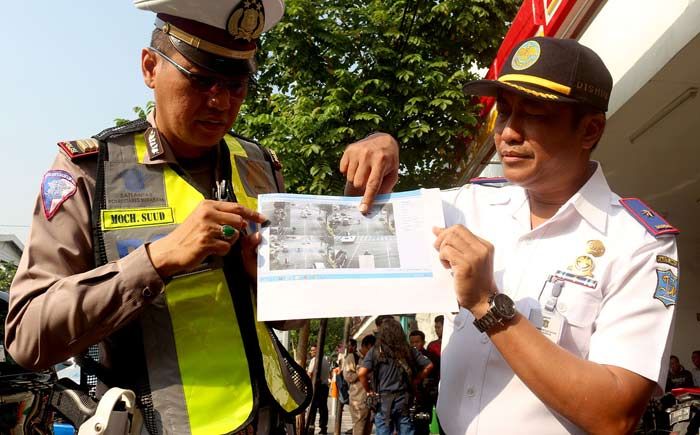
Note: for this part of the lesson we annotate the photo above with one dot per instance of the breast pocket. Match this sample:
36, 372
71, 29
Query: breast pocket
580, 306
256, 176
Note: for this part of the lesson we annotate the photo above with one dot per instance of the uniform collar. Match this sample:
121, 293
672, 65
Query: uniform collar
160, 152
592, 201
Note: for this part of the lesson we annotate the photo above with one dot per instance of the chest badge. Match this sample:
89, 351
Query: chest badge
583, 266
595, 248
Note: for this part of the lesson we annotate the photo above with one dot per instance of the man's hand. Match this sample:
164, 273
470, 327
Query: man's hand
199, 236
371, 167
471, 260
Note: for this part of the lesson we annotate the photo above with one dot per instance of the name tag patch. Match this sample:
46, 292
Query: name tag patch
136, 217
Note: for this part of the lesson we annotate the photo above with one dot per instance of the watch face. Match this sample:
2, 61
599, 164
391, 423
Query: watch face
504, 306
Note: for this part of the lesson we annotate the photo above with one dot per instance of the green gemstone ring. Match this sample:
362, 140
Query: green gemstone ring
227, 232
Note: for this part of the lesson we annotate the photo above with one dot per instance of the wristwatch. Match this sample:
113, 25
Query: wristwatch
501, 310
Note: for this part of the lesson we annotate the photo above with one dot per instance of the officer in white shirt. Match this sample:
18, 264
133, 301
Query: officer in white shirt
566, 292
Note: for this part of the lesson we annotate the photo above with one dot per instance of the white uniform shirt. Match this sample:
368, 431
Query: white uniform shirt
615, 320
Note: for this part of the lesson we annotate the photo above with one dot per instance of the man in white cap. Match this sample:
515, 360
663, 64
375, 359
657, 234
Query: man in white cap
143, 238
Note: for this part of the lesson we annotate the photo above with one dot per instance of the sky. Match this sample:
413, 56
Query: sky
69, 69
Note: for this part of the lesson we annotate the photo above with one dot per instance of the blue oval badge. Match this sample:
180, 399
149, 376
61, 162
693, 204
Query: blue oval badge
526, 56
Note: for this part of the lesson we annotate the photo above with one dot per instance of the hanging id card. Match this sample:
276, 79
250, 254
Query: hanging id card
551, 322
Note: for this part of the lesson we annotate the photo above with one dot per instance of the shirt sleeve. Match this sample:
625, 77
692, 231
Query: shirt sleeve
367, 362
420, 359
60, 303
633, 327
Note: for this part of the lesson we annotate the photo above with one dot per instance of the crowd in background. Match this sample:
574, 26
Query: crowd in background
389, 380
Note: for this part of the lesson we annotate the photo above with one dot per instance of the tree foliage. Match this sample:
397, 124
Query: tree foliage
334, 71
141, 112
7, 274
334, 335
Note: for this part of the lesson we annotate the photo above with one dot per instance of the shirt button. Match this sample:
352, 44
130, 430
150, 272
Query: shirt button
561, 307
484, 338
471, 392
147, 293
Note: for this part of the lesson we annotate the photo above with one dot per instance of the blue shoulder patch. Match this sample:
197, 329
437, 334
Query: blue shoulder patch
489, 181
650, 219
666, 287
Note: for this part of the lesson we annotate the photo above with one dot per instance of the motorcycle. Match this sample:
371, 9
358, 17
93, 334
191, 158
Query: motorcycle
684, 416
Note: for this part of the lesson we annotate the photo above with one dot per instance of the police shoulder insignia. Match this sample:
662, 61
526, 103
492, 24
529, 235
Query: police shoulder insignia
56, 187
77, 149
489, 181
651, 220
666, 287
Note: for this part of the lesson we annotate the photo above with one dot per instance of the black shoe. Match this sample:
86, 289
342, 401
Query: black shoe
348, 432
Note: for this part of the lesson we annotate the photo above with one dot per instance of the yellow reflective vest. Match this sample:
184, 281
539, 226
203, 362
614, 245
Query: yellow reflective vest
197, 357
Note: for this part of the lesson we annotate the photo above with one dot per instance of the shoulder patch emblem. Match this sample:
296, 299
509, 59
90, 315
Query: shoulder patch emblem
650, 219
666, 287
667, 260
56, 187
489, 181
77, 149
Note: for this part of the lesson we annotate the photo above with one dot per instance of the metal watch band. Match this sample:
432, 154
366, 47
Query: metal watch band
487, 321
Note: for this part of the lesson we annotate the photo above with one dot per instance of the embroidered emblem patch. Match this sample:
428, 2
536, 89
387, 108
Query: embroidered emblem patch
526, 56
666, 287
56, 187
666, 260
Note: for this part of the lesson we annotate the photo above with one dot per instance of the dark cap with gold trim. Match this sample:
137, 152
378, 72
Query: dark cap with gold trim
551, 69
219, 35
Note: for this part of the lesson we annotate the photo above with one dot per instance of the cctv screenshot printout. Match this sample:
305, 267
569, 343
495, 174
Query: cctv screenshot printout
321, 257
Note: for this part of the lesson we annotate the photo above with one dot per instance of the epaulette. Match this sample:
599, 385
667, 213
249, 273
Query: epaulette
270, 155
651, 220
129, 127
78, 149
489, 181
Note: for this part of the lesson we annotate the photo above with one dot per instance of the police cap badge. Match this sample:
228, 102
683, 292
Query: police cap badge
219, 35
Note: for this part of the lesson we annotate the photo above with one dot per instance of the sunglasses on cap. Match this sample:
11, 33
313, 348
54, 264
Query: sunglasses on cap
238, 87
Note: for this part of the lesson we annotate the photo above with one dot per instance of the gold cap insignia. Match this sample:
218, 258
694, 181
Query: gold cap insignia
595, 248
583, 266
526, 56
247, 21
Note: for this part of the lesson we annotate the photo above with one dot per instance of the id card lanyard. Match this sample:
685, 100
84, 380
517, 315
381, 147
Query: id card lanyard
552, 320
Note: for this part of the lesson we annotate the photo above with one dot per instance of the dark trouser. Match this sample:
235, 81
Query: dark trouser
321, 403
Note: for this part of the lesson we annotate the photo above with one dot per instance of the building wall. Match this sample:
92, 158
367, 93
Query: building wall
9, 251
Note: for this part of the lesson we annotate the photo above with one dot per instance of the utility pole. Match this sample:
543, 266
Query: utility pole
338, 405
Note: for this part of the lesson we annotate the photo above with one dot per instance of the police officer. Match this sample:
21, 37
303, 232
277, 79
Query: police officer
566, 291
143, 238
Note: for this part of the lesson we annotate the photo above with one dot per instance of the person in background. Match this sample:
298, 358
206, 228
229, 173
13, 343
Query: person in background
435, 347
426, 392
678, 376
396, 370
358, 396
320, 400
695, 370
